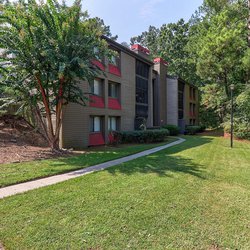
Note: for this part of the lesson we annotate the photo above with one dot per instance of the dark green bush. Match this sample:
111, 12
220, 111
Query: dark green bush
203, 128
241, 130
192, 130
173, 129
141, 136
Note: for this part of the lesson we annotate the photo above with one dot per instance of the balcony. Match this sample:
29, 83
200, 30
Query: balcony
96, 139
96, 101
98, 64
115, 70
113, 103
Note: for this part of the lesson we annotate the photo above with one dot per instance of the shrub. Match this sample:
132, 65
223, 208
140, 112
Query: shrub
140, 136
241, 130
203, 128
173, 129
192, 130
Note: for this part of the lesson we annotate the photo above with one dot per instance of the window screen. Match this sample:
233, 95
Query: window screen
96, 87
95, 124
112, 123
113, 90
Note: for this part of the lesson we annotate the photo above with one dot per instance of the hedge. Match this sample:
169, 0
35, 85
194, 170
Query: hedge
173, 129
192, 130
142, 136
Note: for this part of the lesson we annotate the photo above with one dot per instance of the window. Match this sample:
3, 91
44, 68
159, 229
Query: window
191, 92
194, 107
181, 87
141, 90
95, 124
194, 96
115, 59
113, 90
113, 123
142, 74
142, 69
96, 87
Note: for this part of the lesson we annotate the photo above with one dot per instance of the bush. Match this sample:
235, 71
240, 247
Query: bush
241, 130
192, 130
173, 129
202, 128
140, 136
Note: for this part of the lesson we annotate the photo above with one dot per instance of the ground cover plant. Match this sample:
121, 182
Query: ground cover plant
192, 196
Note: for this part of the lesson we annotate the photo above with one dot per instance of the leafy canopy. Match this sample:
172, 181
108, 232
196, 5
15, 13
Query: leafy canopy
47, 50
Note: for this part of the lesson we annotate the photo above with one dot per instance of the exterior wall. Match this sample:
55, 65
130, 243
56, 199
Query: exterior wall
76, 118
162, 72
172, 101
150, 99
172, 104
162, 101
188, 115
128, 92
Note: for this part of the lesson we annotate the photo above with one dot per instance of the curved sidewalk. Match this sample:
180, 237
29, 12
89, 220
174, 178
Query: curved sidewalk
30, 185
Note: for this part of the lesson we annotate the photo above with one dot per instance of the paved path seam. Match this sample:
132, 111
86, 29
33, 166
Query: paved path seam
47, 181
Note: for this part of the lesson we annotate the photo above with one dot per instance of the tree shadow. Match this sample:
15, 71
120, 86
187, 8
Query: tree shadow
161, 164
165, 162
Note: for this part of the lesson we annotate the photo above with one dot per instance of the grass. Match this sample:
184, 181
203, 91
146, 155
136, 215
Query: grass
20, 172
192, 196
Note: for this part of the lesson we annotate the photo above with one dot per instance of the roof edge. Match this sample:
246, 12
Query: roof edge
126, 50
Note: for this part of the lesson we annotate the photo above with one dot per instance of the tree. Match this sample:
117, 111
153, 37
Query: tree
48, 50
219, 46
173, 39
148, 39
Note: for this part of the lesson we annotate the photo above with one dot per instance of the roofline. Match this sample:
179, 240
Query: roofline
181, 79
126, 50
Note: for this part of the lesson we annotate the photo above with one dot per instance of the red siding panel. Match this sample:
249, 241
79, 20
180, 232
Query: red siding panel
114, 70
113, 103
98, 64
96, 139
96, 101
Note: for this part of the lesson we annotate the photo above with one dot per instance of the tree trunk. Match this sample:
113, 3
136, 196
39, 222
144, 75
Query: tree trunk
52, 137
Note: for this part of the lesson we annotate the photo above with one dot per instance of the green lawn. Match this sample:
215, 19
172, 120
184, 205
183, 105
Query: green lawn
21, 172
193, 196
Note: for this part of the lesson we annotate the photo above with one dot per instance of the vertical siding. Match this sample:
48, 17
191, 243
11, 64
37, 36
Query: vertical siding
172, 101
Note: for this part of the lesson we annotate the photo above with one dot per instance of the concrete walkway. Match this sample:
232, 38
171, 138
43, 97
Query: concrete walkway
30, 185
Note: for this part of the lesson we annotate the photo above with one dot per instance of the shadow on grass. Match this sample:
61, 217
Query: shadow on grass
164, 163
160, 163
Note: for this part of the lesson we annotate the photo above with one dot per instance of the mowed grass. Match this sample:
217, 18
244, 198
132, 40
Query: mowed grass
20, 172
193, 196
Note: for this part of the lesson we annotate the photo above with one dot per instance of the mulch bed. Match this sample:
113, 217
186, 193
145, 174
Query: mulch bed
19, 141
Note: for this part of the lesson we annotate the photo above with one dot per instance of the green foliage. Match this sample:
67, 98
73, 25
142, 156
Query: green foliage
47, 51
148, 39
192, 130
213, 105
140, 136
219, 43
169, 42
243, 106
242, 117
173, 129
241, 130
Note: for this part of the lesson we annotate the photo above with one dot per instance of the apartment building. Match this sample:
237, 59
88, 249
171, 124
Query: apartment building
132, 90
182, 102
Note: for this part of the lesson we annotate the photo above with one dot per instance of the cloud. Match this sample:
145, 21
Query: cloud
149, 8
